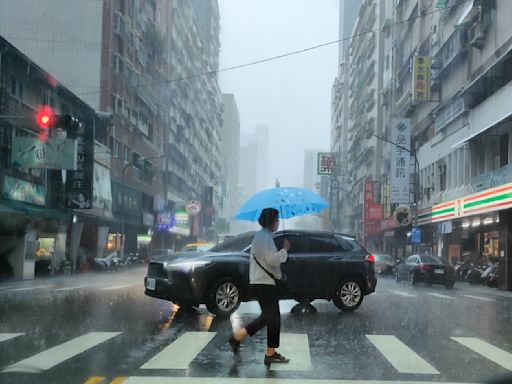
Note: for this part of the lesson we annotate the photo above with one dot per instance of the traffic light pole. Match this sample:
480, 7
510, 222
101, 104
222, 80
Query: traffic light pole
416, 181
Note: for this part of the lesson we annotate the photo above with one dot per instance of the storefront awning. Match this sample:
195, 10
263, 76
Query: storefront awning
33, 211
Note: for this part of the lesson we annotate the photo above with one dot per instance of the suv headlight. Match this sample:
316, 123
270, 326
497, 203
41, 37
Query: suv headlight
185, 265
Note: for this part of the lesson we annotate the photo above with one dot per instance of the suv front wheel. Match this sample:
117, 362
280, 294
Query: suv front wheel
349, 295
224, 297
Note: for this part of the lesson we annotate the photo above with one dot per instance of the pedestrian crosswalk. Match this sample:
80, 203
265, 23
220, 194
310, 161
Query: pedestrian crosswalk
50, 288
60, 353
184, 350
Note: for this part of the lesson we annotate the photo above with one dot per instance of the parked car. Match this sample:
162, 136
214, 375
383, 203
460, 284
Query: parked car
198, 247
384, 263
321, 265
426, 268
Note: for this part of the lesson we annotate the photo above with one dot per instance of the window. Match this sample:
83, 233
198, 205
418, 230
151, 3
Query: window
127, 153
347, 244
320, 244
16, 88
117, 148
503, 150
412, 260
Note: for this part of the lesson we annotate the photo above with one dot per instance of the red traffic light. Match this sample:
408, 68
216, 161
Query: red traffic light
45, 117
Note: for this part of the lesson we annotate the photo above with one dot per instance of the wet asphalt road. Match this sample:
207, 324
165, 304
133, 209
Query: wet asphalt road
101, 328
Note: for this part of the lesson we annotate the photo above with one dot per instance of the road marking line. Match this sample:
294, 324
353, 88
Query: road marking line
440, 295
8, 336
244, 380
95, 380
29, 288
71, 288
403, 358
405, 294
489, 351
479, 298
295, 346
119, 380
60, 353
114, 287
180, 353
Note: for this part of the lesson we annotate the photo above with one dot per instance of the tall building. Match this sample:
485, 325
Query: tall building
248, 171
123, 57
230, 156
254, 171
311, 177
339, 104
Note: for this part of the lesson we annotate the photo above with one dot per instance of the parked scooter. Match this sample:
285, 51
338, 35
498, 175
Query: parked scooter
110, 262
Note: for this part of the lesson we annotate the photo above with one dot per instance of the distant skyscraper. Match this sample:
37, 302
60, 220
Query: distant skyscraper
257, 141
311, 178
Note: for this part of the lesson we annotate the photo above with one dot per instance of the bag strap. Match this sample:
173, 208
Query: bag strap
262, 267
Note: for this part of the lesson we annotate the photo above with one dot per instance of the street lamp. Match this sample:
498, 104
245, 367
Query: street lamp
126, 166
416, 182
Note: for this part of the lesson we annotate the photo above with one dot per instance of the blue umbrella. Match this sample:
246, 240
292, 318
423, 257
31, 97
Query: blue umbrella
290, 202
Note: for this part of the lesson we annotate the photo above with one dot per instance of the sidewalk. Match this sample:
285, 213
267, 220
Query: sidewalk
482, 290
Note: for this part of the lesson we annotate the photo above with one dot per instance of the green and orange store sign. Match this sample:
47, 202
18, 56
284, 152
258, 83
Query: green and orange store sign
490, 200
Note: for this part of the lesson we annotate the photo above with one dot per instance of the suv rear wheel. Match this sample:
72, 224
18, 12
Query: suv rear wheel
349, 295
223, 297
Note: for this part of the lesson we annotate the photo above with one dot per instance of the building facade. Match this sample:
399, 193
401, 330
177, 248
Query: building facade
445, 69
230, 154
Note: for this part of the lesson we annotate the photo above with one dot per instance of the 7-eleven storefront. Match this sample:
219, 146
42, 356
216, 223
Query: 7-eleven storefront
476, 227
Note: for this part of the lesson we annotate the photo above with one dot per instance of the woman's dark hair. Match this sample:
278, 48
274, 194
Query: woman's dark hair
268, 217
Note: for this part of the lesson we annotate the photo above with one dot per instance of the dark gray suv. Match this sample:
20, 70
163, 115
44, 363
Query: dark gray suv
321, 265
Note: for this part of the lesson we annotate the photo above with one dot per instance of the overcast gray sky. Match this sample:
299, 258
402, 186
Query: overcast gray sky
291, 95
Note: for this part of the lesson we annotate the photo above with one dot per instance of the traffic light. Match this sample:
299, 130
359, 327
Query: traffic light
46, 119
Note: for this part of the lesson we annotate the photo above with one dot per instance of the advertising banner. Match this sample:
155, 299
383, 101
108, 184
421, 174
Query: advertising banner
400, 161
28, 152
25, 191
79, 183
421, 77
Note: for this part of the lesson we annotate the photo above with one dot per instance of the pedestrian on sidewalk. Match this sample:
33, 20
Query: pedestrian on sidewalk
265, 267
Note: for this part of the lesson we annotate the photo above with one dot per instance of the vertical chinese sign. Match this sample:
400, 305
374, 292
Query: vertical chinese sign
372, 213
400, 160
79, 183
421, 75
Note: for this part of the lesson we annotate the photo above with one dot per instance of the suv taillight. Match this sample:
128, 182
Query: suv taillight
370, 258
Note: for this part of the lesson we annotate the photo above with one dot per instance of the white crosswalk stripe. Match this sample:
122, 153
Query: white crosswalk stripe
180, 353
8, 336
404, 359
115, 287
296, 348
60, 353
489, 351
404, 294
245, 380
29, 288
440, 295
70, 288
479, 298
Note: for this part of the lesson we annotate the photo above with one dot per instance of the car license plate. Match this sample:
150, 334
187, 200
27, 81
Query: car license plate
150, 284
439, 271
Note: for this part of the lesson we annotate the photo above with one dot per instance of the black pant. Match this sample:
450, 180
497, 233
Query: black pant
270, 316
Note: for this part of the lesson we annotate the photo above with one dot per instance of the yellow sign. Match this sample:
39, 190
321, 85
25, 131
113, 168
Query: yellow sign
421, 78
